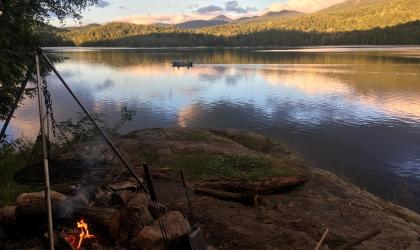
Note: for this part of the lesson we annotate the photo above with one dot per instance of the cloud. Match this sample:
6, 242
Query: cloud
303, 5
231, 9
233, 6
230, 6
193, 6
102, 3
163, 18
209, 9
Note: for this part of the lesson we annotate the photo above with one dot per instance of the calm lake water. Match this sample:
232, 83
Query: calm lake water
355, 111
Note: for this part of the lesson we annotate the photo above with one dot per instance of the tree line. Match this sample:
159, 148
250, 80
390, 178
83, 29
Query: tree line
389, 22
120, 34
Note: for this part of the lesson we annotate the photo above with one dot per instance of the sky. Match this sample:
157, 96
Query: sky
169, 11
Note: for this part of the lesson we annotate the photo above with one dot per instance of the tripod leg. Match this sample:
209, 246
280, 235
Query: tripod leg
45, 156
15, 104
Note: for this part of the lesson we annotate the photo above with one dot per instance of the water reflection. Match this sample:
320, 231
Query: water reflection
355, 111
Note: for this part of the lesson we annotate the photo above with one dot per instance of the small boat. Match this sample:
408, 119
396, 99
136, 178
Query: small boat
179, 64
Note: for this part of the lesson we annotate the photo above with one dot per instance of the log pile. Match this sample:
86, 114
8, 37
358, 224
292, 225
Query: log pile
123, 216
120, 215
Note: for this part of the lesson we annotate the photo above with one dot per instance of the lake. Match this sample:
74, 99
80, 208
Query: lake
355, 111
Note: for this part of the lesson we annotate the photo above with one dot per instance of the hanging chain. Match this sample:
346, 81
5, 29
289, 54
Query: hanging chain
49, 114
48, 105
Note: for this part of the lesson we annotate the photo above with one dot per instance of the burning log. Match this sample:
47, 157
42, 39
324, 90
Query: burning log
75, 238
30, 210
107, 218
271, 186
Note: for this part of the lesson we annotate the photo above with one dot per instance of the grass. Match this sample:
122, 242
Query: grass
10, 162
251, 167
164, 148
247, 155
246, 139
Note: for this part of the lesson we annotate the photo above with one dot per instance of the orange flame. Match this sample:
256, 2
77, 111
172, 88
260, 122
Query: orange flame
84, 233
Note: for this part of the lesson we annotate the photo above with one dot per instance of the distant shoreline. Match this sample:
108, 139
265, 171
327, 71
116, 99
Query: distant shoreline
227, 47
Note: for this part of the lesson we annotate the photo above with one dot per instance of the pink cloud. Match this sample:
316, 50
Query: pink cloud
164, 18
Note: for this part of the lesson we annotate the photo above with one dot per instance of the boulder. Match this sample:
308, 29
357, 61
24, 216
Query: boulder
121, 197
135, 215
150, 237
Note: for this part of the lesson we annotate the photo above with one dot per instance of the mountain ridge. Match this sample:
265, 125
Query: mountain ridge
270, 16
197, 24
222, 18
361, 22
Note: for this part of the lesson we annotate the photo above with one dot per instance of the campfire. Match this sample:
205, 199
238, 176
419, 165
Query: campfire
76, 240
115, 215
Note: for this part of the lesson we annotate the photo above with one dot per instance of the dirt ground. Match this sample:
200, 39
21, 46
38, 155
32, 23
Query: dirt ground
297, 219
293, 220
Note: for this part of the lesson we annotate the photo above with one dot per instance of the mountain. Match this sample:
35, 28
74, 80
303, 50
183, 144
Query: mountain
243, 19
352, 22
82, 27
222, 18
162, 24
269, 16
349, 16
197, 24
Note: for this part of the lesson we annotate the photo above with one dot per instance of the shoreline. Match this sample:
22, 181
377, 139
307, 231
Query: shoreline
338, 46
295, 219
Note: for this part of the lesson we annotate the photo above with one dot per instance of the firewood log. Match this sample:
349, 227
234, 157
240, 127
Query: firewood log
32, 205
30, 210
271, 186
106, 218
281, 184
8, 216
248, 198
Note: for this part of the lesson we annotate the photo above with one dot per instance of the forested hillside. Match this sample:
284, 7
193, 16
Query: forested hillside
382, 14
348, 4
270, 16
351, 22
